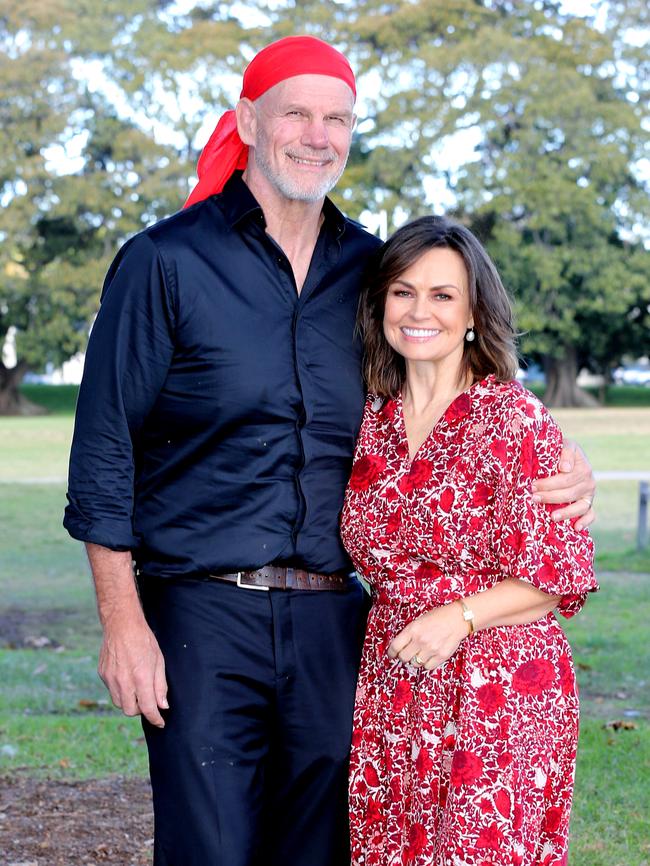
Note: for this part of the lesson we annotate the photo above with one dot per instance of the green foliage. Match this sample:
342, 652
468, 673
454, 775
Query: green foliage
630, 395
554, 195
59, 231
559, 110
59, 399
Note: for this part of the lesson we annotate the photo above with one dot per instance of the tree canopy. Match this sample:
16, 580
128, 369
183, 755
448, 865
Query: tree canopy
105, 105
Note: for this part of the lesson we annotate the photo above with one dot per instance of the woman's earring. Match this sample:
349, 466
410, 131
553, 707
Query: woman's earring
470, 336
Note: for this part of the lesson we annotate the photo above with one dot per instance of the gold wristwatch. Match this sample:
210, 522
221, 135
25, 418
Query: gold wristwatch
468, 616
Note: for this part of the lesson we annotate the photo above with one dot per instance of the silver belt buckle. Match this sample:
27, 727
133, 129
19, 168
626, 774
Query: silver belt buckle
249, 585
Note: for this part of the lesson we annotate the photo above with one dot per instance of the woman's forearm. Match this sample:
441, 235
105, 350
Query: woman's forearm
433, 637
511, 602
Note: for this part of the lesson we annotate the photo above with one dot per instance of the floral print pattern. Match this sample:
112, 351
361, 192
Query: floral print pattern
471, 764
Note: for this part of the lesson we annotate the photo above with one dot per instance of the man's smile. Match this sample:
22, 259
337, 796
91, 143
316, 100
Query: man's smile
312, 163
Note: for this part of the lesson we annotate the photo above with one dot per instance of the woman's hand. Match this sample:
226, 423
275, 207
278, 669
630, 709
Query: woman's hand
432, 638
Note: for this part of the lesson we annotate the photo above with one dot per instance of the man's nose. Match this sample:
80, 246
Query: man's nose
316, 134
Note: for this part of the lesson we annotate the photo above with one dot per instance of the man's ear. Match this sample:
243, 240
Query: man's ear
246, 121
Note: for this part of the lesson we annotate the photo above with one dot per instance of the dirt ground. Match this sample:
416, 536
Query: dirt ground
55, 823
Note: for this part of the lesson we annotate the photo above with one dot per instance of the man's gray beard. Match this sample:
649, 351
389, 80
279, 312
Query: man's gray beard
290, 189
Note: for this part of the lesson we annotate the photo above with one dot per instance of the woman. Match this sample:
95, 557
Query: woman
466, 719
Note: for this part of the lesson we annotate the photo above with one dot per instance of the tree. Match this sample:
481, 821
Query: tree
58, 265
558, 108
553, 186
38, 94
60, 231
560, 111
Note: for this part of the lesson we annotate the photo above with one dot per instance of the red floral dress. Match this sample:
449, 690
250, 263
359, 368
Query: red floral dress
471, 764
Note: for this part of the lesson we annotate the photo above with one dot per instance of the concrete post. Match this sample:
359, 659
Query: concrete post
644, 497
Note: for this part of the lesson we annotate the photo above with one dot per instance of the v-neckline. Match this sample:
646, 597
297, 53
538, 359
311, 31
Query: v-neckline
401, 422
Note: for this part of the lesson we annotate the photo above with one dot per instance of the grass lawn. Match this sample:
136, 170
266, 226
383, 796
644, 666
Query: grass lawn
611, 816
614, 439
55, 718
35, 448
55, 715
610, 824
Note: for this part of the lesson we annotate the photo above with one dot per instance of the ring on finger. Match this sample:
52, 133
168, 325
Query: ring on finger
588, 499
417, 661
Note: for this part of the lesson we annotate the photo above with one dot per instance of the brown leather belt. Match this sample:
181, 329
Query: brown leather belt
276, 577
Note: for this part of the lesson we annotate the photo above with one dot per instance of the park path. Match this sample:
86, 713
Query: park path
47, 479
623, 475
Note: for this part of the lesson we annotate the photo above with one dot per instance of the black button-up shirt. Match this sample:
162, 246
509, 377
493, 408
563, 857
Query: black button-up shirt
218, 410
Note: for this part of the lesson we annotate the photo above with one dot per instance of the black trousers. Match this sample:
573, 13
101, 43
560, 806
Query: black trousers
251, 767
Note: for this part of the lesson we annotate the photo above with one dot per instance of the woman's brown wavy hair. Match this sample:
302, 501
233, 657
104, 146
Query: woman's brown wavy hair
493, 350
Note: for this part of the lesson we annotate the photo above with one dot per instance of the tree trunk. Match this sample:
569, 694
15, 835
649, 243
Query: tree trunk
561, 387
12, 402
608, 380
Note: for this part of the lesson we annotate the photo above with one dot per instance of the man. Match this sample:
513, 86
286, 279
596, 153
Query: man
215, 427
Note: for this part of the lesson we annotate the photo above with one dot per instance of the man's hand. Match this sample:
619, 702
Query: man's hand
133, 669
130, 661
430, 639
574, 484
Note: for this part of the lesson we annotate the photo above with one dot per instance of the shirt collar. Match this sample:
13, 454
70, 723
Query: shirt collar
334, 217
238, 203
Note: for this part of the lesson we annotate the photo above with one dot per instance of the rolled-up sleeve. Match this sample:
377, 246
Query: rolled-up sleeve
127, 360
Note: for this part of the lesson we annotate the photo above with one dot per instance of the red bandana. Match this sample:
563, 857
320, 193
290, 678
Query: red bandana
225, 152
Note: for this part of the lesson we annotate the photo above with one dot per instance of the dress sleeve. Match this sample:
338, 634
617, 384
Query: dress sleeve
554, 557
128, 356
